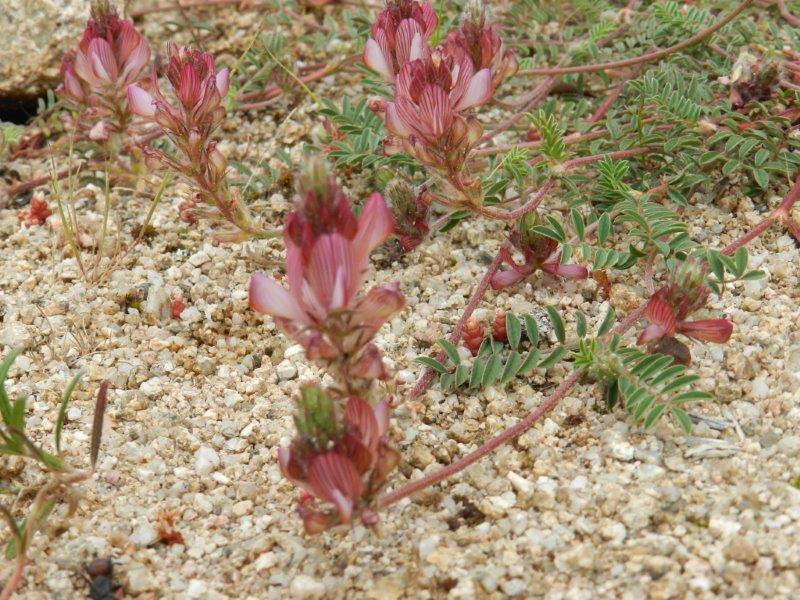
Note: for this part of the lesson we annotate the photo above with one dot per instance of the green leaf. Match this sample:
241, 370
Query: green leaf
462, 375
682, 418
532, 330
740, 261
512, 367
513, 330
557, 322
5, 405
753, 275
578, 224
451, 351
552, 358
493, 368
716, 266
446, 381
62, 408
530, 361
691, 396
580, 325
431, 363
654, 415
761, 177
603, 228
608, 322
478, 367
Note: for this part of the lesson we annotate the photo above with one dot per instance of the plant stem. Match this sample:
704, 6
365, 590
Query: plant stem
781, 213
425, 379
649, 57
788, 17
476, 455
15, 579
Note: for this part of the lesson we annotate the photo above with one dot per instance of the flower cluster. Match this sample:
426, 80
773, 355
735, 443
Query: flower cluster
411, 212
340, 454
111, 56
399, 35
342, 457
435, 88
190, 123
539, 252
669, 307
326, 264
478, 40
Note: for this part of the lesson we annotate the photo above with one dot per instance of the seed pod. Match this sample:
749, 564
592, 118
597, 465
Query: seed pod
473, 335
499, 332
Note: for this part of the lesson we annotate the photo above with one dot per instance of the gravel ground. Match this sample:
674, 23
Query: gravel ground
581, 506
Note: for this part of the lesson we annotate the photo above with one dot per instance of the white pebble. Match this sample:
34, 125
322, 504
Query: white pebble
206, 460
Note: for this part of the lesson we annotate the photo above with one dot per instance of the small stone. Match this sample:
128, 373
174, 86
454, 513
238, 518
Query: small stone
621, 450
144, 535
140, 579
789, 445
265, 561
304, 586
191, 315
151, 387
286, 370
199, 258
16, 335
742, 550
523, 486
513, 587
428, 545
196, 589
206, 460
242, 508
74, 413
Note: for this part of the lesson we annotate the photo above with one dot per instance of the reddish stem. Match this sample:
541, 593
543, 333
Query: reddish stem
474, 456
426, 377
12, 190
788, 17
16, 578
781, 213
650, 56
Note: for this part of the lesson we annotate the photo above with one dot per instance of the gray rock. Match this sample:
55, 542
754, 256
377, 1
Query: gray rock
35, 35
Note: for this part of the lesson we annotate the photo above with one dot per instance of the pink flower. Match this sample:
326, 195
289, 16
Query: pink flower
111, 56
338, 458
321, 309
478, 40
539, 251
200, 91
400, 34
665, 323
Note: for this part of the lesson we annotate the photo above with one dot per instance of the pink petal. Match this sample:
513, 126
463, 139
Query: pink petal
101, 57
650, 333
408, 34
222, 81
140, 102
569, 271
375, 59
660, 313
429, 18
334, 478
709, 330
479, 90
359, 414
375, 225
419, 49
394, 123
377, 306
382, 416
332, 272
269, 298
435, 113
135, 62
503, 279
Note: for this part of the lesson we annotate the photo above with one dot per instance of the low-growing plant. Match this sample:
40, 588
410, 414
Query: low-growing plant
59, 482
